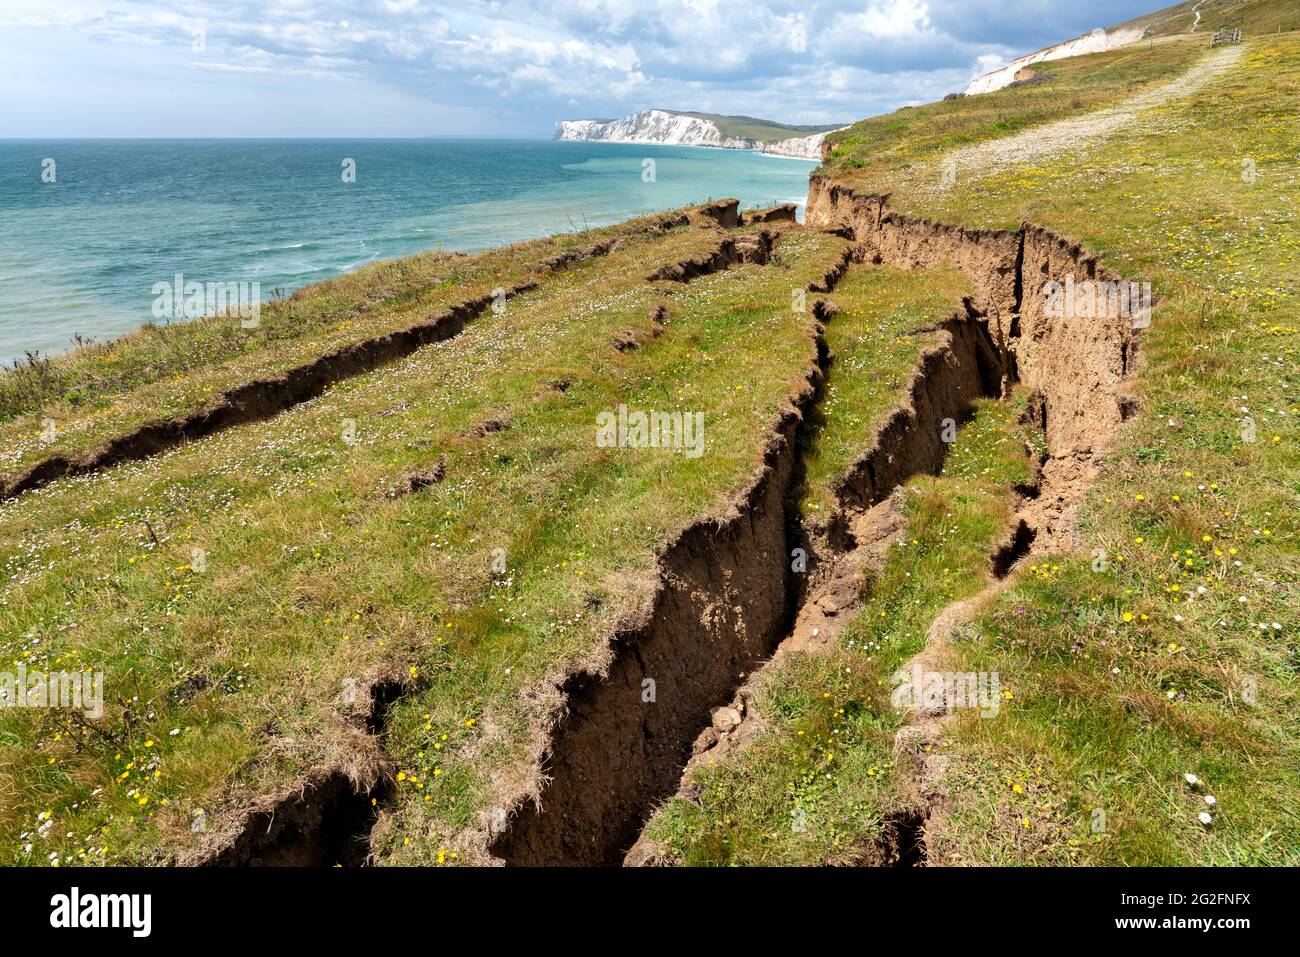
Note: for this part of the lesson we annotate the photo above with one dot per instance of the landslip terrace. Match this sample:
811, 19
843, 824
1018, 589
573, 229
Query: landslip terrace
408, 578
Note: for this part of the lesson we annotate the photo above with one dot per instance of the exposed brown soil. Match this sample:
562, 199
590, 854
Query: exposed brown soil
327, 824
724, 599
326, 821
773, 214
902, 844
420, 479
724, 212
488, 426
755, 248
1073, 366
1015, 548
630, 339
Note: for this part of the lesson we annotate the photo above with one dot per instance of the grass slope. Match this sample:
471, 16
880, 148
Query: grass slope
1252, 17
751, 128
896, 149
228, 678
1166, 646
237, 590
104, 389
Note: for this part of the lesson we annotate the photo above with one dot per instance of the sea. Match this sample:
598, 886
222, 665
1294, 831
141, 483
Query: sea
88, 227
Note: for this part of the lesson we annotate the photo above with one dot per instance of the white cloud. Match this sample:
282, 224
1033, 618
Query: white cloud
522, 64
888, 20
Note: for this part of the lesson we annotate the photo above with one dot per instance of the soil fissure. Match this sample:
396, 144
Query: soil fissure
598, 794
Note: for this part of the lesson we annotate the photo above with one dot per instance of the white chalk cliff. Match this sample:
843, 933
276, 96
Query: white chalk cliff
800, 147
678, 129
1098, 41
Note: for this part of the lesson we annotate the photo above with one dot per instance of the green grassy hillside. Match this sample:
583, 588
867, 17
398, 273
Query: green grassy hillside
410, 571
1162, 645
750, 128
1252, 17
325, 568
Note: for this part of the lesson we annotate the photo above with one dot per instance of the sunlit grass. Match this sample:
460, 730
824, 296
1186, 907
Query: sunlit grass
816, 786
1178, 655
315, 575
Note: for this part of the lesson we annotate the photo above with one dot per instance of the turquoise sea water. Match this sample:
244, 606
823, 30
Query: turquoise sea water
80, 255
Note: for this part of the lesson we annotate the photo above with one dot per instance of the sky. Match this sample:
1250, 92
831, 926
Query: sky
396, 68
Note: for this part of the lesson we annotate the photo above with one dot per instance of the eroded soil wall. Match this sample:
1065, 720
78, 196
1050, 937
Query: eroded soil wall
722, 606
725, 599
1070, 360
964, 366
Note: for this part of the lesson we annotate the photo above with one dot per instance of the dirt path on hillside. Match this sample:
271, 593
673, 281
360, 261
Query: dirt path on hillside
1082, 132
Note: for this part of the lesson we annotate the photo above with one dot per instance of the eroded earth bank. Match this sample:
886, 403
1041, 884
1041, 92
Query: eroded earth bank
728, 599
